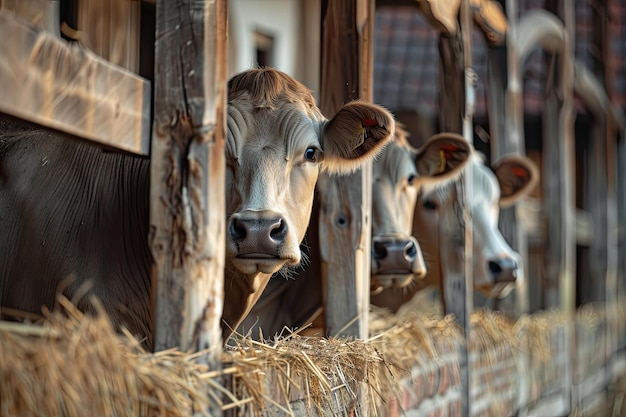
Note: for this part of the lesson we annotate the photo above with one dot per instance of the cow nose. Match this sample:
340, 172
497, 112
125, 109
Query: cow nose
258, 235
401, 251
503, 269
393, 255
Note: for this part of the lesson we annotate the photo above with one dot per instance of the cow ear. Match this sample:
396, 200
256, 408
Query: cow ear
517, 176
357, 133
443, 156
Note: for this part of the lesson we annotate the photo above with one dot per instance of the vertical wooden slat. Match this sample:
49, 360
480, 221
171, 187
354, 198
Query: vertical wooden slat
451, 114
111, 30
451, 78
187, 176
468, 195
567, 161
612, 226
540, 28
506, 108
345, 204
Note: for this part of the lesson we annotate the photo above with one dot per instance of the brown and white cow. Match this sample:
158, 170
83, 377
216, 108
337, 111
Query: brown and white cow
398, 174
68, 209
438, 226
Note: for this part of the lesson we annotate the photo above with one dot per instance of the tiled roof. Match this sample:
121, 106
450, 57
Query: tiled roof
406, 58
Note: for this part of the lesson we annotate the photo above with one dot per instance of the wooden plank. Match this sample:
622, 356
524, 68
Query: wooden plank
345, 204
41, 13
111, 30
457, 103
451, 83
591, 91
47, 81
540, 28
506, 119
187, 214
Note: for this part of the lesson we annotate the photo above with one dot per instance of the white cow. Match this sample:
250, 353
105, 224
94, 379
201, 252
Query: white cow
438, 226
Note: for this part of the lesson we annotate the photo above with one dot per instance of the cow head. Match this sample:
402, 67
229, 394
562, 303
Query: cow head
277, 143
440, 231
397, 176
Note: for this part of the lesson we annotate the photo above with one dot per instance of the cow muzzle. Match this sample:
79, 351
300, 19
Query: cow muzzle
396, 261
502, 270
502, 274
259, 242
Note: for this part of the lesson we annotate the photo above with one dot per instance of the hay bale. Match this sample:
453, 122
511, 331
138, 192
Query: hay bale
324, 373
74, 365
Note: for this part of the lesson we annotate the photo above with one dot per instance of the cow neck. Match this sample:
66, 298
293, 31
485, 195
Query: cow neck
241, 292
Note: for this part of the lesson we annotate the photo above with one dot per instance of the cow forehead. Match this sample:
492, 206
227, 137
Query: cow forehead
485, 184
485, 188
280, 131
394, 163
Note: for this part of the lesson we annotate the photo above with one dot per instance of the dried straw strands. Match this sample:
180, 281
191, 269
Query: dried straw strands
78, 366
74, 365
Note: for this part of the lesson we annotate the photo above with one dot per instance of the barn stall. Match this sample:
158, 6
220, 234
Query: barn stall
560, 359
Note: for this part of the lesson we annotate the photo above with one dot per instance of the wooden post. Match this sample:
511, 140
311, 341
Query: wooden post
457, 85
451, 83
596, 195
345, 205
541, 28
452, 111
561, 156
468, 185
187, 182
506, 116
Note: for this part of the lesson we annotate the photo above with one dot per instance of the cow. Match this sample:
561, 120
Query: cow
438, 227
398, 174
68, 209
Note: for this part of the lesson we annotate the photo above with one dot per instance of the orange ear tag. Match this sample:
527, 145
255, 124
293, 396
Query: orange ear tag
519, 172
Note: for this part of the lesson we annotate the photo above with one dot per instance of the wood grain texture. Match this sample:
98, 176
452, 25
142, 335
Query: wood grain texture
187, 177
506, 117
540, 28
345, 214
45, 80
111, 30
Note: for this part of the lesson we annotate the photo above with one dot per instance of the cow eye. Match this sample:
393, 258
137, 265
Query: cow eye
430, 205
312, 154
411, 179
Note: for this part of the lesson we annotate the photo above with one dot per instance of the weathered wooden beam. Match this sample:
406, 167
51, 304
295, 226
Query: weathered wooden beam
451, 83
187, 177
45, 80
41, 13
345, 204
506, 120
540, 28
111, 30
595, 97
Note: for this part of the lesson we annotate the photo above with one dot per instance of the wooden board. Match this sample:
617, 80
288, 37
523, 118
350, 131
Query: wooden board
187, 214
45, 80
111, 29
540, 28
345, 215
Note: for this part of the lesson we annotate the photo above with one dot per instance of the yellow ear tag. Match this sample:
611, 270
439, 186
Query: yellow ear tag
442, 161
359, 137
